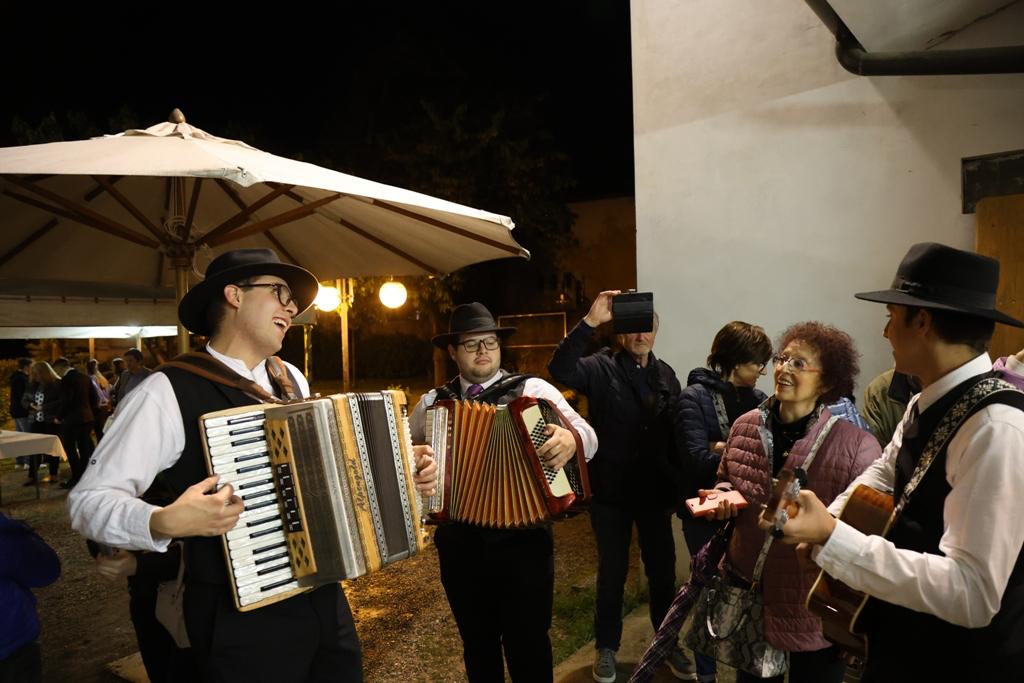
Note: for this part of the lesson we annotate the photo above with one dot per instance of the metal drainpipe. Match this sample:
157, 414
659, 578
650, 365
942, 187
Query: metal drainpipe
854, 58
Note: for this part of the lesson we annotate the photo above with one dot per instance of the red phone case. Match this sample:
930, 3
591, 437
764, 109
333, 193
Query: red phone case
707, 508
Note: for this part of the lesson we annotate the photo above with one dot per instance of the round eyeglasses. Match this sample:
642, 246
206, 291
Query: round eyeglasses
797, 364
284, 295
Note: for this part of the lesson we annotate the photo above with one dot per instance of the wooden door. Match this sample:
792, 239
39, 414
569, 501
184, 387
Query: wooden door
1000, 234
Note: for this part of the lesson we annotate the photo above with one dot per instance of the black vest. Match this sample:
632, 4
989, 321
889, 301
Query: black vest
204, 556
904, 642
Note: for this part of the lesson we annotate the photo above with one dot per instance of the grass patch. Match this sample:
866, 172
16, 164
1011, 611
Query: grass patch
572, 622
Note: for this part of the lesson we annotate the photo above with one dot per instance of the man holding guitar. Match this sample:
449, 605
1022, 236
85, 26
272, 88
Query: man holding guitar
946, 578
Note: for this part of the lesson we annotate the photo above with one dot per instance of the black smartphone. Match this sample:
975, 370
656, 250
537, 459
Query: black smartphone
633, 312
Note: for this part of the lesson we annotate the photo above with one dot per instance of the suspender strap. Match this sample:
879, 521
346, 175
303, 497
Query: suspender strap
208, 367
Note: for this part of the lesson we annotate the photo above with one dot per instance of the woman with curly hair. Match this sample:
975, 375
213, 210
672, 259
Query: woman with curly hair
816, 364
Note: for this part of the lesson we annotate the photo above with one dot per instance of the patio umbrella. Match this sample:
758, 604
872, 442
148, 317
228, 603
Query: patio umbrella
152, 207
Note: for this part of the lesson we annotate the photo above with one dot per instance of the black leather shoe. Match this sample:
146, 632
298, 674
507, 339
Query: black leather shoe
66, 484
30, 482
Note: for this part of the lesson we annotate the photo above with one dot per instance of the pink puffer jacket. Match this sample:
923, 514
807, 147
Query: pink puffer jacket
844, 454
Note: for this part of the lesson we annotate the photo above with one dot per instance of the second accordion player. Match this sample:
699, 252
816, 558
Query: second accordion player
327, 486
489, 472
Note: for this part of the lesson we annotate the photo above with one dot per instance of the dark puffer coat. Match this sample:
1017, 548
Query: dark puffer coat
699, 426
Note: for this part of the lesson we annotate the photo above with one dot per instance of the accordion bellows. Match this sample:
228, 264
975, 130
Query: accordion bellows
489, 472
327, 486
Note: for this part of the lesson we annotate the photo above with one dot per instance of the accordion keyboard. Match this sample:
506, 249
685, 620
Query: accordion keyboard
256, 546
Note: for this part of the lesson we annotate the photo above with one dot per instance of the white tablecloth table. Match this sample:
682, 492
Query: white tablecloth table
16, 444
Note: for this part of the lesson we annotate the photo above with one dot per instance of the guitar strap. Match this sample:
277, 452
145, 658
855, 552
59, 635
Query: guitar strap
804, 467
984, 392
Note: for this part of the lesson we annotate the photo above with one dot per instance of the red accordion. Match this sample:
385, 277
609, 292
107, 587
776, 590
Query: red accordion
489, 473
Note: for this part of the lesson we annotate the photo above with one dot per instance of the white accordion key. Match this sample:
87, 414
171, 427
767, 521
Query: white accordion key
242, 545
256, 584
255, 528
267, 593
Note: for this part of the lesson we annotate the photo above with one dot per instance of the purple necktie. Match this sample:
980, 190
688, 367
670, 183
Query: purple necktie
474, 390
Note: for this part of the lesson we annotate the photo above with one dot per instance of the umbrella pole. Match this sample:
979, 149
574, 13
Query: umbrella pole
346, 287
181, 267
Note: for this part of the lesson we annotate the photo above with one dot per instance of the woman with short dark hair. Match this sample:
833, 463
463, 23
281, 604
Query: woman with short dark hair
815, 365
714, 397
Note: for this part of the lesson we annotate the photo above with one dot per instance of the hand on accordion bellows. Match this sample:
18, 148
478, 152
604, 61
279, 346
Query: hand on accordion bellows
426, 470
559, 448
200, 511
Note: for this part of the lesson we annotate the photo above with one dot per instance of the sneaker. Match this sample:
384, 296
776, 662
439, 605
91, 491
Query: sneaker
681, 666
604, 666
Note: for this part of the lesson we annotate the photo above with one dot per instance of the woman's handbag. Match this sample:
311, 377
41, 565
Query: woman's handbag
728, 624
170, 607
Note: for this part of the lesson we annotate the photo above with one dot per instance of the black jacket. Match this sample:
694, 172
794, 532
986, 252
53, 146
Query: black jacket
78, 399
699, 425
634, 412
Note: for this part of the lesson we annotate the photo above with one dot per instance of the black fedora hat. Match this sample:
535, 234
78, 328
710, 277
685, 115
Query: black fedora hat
470, 319
235, 266
937, 276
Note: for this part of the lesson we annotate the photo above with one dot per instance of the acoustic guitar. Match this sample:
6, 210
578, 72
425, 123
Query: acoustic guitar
839, 606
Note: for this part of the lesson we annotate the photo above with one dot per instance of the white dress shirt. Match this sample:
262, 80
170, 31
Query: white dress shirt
535, 387
147, 436
983, 533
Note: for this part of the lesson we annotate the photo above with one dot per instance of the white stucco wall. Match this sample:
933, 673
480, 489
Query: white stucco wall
771, 185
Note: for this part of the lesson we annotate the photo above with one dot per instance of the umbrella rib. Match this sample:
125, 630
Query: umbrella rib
84, 220
21, 246
286, 189
448, 227
79, 213
129, 207
197, 185
272, 222
280, 248
384, 245
232, 195
366, 235
247, 210
98, 190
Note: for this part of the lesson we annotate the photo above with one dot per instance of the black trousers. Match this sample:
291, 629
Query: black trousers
309, 637
499, 586
613, 529
165, 662
78, 444
53, 462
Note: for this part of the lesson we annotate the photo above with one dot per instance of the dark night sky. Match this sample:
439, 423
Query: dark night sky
290, 78
310, 80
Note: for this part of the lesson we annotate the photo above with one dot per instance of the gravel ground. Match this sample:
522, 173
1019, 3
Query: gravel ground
405, 626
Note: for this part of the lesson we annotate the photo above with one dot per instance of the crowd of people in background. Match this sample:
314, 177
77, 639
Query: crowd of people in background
650, 443
61, 400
